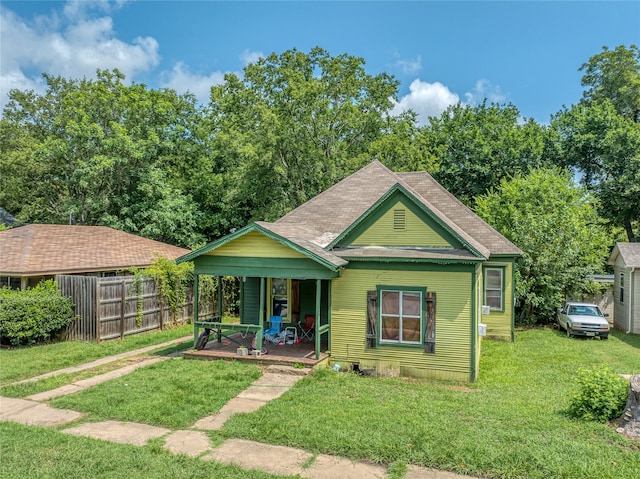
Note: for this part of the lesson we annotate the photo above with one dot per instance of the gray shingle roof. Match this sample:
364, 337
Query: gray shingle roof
323, 218
53, 249
630, 253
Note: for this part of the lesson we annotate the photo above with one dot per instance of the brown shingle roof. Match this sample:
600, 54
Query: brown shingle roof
51, 249
323, 218
460, 214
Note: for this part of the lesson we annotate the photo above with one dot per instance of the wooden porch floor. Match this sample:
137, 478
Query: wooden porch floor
298, 353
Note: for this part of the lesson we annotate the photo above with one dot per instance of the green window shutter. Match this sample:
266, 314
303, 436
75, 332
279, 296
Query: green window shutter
372, 318
430, 323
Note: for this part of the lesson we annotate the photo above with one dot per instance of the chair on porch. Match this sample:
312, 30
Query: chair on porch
308, 328
275, 329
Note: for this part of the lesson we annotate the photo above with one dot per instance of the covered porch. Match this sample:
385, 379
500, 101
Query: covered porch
302, 353
281, 278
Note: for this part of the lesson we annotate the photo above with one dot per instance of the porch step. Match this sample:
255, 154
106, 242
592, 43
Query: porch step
291, 370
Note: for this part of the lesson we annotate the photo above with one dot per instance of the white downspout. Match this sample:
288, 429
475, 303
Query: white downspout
631, 294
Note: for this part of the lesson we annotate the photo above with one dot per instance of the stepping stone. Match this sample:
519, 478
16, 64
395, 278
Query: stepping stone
32, 413
92, 381
329, 467
282, 460
234, 406
269, 387
189, 443
417, 472
121, 432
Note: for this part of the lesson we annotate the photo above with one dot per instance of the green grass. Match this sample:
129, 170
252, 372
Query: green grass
173, 393
53, 382
34, 452
23, 363
512, 423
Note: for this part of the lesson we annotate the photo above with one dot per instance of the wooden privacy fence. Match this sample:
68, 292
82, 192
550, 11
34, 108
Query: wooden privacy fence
115, 307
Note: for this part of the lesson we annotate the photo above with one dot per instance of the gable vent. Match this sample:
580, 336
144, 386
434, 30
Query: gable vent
399, 220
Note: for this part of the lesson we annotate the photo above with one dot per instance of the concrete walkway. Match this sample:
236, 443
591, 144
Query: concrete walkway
195, 442
106, 360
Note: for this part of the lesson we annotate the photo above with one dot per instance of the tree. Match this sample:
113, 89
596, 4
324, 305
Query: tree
292, 126
557, 226
600, 137
604, 148
614, 75
98, 152
473, 148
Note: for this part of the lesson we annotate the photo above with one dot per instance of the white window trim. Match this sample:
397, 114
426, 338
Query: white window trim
501, 270
421, 317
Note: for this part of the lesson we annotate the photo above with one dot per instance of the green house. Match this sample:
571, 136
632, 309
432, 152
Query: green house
399, 276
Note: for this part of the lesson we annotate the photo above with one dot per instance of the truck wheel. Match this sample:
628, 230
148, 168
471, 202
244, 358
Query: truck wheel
568, 332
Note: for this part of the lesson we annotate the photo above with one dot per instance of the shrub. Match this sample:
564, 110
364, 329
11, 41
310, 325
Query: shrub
602, 394
33, 315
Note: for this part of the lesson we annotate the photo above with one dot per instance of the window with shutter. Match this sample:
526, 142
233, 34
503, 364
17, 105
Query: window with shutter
400, 315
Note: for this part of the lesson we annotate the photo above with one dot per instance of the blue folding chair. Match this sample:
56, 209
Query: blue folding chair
275, 328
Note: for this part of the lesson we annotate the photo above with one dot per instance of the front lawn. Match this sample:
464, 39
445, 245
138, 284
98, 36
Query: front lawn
510, 424
174, 393
27, 362
35, 452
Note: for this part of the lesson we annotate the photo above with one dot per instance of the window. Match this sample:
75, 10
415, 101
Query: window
280, 297
622, 287
494, 288
402, 316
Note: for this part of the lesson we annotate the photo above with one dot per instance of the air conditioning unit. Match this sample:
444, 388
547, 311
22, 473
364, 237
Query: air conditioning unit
482, 329
486, 309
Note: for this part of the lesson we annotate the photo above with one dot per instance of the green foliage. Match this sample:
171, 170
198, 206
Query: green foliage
33, 315
172, 281
293, 125
557, 227
101, 153
600, 137
470, 149
605, 148
601, 395
614, 75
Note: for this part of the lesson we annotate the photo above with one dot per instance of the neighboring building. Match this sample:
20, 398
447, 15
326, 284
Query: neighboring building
625, 259
31, 253
6, 218
394, 268
603, 299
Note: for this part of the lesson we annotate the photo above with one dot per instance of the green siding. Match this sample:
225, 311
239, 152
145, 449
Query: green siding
251, 301
255, 244
300, 268
308, 300
415, 233
500, 323
452, 359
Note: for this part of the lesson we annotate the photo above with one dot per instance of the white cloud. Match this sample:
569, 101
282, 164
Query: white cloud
484, 89
426, 99
248, 57
182, 80
410, 67
73, 45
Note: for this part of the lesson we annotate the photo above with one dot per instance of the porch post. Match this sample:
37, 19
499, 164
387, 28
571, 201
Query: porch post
195, 310
318, 309
220, 298
260, 317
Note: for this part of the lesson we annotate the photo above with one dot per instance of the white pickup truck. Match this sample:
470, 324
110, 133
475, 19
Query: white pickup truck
583, 319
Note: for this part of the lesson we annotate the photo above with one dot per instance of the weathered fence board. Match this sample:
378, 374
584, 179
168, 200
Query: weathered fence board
107, 308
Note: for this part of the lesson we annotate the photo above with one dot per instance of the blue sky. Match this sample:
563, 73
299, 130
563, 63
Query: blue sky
525, 53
